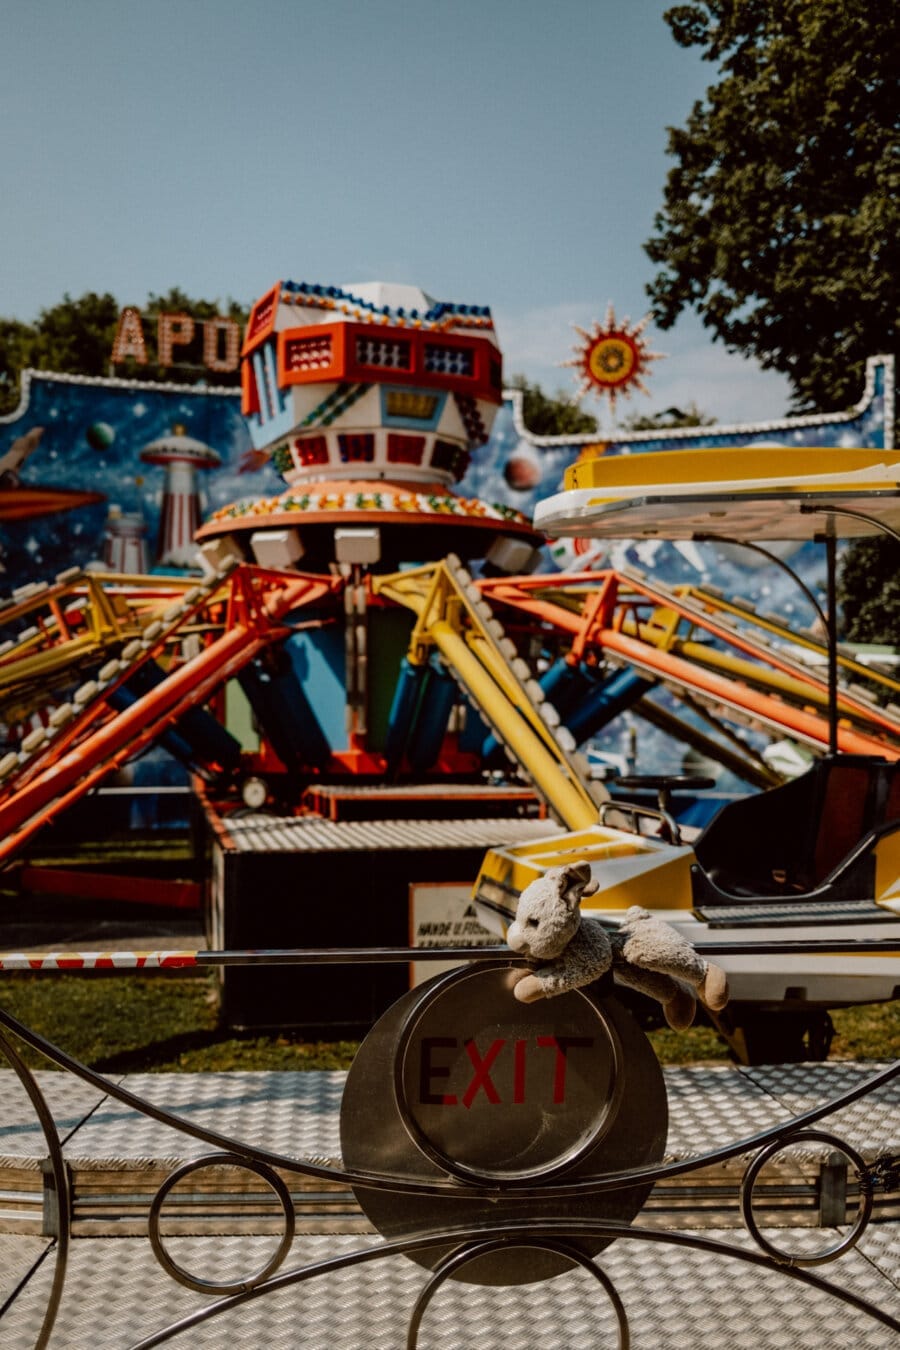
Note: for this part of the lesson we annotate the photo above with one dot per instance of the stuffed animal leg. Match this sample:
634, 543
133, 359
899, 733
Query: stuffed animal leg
650, 956
678, 1002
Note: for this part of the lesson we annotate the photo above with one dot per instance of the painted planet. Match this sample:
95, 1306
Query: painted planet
523, 470
100, 435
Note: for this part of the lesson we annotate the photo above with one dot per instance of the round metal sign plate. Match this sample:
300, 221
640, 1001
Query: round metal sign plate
460, 1080
491, 1092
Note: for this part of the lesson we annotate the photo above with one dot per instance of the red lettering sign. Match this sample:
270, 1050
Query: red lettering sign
562, 1045
519, 1072
428, 1071
482, 1078
432, 1072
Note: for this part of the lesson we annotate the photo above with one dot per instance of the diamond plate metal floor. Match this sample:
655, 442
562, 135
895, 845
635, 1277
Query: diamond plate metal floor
118, 1157
298, 1113
675, 1299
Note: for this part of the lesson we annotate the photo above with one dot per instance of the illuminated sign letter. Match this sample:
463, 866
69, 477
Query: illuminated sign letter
562, 1045
173, 330
129, 340
214, 358
428, 1071
482, 1076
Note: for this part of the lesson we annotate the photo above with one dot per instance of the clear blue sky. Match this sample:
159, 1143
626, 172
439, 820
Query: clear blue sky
500, 152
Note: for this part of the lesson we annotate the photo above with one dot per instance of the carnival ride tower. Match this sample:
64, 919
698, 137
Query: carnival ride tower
369, 404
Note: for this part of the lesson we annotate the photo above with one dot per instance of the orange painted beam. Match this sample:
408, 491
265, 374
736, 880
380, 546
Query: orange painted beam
62, 780
751, 701
645, 656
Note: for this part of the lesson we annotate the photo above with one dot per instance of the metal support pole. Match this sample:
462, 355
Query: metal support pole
831, 607
878, 526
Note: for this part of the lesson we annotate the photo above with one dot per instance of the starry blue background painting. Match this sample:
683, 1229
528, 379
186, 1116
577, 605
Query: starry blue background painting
489, 475
95, 430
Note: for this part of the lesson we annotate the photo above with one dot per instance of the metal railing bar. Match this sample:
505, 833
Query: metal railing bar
381, 1181
549, 1228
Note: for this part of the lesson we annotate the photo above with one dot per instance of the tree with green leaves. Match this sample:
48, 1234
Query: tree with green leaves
76, 337
15, 344
869, 591
781, 217
556, 415
670, 419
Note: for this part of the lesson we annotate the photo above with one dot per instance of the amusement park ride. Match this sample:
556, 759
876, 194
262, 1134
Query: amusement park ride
372, 685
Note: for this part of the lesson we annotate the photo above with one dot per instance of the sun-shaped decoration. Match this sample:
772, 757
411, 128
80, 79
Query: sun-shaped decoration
612, 358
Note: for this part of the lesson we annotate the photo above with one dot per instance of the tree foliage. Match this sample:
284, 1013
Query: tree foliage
869, 591
669, 420
781, 217
76, 337
15, 340
546, 415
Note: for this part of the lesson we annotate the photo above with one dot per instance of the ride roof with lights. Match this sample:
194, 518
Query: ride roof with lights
381, 380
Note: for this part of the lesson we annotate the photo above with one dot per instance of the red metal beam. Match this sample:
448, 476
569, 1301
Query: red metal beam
81, 885
261, 600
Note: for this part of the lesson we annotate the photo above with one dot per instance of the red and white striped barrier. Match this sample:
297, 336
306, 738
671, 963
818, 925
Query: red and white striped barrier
97, 960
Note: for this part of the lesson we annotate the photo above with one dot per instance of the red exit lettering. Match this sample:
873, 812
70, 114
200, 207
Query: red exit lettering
432, 1071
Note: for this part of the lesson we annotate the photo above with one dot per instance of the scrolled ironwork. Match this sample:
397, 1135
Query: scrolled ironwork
864, 1208
564, 1234
463, 1256
183, 1276
60, 1182
564, 1230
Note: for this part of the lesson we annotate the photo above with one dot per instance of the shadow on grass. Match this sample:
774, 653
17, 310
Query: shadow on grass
167, 1052
212, 1050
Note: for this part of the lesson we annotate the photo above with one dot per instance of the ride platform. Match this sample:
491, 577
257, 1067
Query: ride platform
116, 1294
349, 868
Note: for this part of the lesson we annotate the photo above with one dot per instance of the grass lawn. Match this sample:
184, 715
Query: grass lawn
126, 1023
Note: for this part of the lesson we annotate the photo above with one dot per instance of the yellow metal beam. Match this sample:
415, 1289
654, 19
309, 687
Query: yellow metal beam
783, 631
448, 618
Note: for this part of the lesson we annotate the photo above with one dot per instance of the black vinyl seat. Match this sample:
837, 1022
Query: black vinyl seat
813, 836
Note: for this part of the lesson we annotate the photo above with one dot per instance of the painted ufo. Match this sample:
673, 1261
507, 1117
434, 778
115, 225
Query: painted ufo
181, 456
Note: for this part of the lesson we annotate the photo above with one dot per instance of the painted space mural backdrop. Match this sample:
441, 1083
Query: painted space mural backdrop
95, 431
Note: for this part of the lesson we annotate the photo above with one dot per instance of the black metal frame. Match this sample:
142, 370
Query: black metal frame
557, 1235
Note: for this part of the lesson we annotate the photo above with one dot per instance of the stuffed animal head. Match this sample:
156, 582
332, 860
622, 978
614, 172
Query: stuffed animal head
548, 914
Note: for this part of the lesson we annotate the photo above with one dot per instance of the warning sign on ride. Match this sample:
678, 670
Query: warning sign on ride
441, 914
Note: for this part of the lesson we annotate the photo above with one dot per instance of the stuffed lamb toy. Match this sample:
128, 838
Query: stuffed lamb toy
644, 952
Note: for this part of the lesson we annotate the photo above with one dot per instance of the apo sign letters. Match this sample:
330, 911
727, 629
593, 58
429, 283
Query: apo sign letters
180, 340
